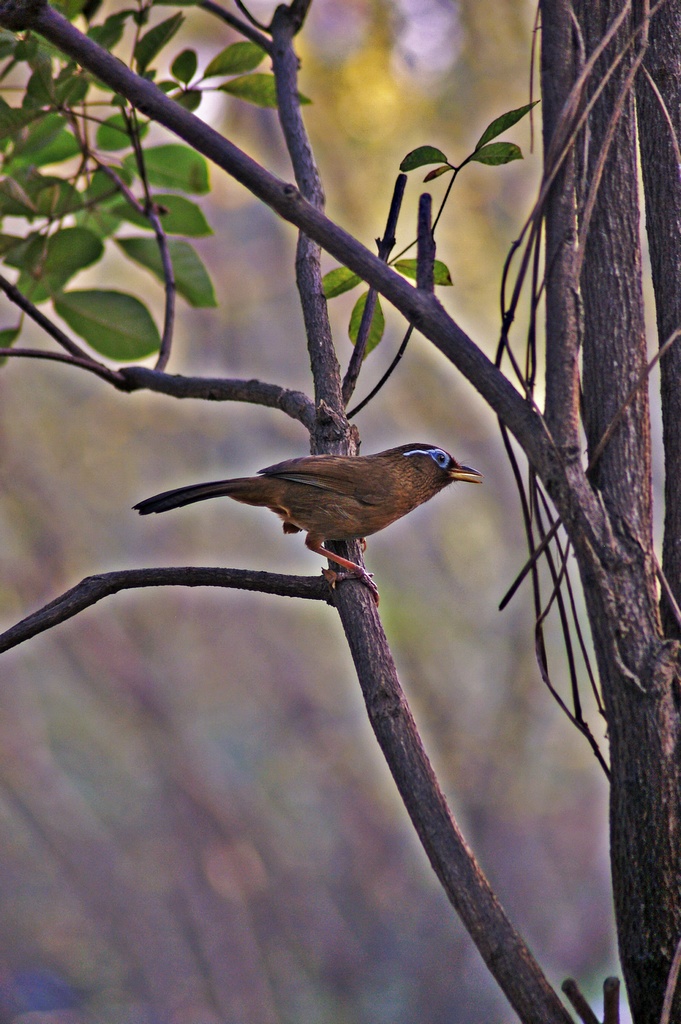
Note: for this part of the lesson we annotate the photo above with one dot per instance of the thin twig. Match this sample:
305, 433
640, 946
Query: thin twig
242, 27
670, 989
20, 300
665, 113
149, 211
597, 172
114, 377
667, 591
611, 1001
247, 14
385, 246
643, 377
169, 287
386, 376
582, 1008
425, 246
93, 588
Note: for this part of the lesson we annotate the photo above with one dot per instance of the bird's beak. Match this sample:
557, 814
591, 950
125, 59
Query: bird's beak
466, 473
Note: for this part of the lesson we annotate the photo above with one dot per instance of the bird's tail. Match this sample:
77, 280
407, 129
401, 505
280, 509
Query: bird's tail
241, 489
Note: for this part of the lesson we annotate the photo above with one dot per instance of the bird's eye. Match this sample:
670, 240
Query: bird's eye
439, 457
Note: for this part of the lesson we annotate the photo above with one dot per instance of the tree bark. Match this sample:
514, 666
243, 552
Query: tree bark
659, 125
638, 668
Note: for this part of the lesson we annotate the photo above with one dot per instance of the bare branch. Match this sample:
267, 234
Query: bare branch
425, 246
640, 383
582, 1008
385, 247
170, 288
243, 27
672, 982
93, 588
611, 1001
111, 376
386, 376
502, 949
295, 404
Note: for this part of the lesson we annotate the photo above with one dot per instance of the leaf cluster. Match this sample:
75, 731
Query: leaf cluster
80, 178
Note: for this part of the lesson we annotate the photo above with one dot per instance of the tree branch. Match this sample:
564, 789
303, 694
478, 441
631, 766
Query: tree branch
424, 311
93, 588
27, 307
503, 950
244, 28
385, 247
295, 404
330, 434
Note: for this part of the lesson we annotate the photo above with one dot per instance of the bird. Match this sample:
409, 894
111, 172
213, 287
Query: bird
335, 497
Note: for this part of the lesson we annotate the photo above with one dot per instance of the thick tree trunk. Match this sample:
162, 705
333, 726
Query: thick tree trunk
638, 668
658, 97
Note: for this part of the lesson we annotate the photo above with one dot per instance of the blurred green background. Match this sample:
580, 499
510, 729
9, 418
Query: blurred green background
196, 823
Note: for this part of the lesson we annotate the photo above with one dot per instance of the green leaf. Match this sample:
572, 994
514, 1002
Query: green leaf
8, 336
190, 99
497, 153
502, 123
45, 142
70, 8
114, 134
9, 242
15, 200
26, 48
153, 41
179, 216
235, 60
437, 172
46, 264
109, 33
423, 155
259, 89
191, 278
409, 269
338, 281
8, 42
174, 166
13, 119
71, 88
39, 90
377, 323
184, 66
115, 324
57, 198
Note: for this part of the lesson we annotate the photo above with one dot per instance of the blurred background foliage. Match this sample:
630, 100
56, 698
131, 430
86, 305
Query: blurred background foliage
196, 824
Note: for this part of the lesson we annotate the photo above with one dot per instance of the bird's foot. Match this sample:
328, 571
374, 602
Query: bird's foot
360, 574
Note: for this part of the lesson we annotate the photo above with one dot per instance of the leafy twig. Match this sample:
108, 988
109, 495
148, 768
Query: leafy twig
20, 300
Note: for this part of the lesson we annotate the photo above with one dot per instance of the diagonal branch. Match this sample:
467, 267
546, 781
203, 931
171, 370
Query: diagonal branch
93, 588
424, 311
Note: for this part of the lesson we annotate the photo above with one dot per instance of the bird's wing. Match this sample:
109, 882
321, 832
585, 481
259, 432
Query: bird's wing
327, 472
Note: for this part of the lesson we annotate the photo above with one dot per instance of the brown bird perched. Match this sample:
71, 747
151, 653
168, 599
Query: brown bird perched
335, 497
